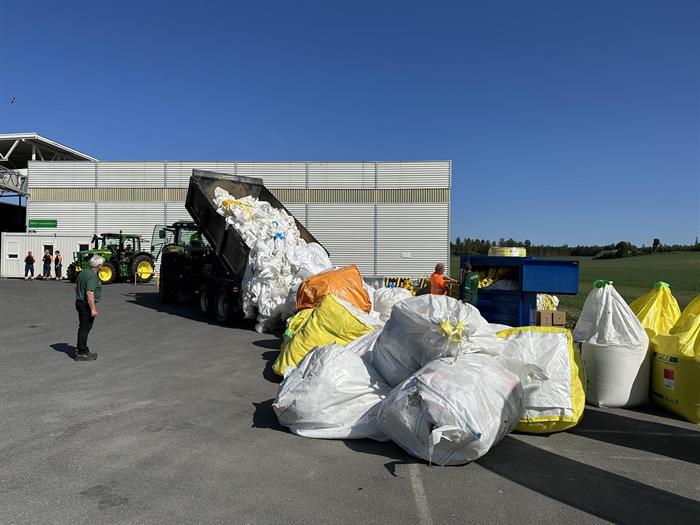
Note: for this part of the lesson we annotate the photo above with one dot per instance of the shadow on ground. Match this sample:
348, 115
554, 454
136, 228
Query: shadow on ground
186, 309
265, 417
650, 436
64, 348
590, 489
269, 357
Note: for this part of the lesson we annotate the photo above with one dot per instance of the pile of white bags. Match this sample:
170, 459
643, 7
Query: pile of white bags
427, 327
385, 298
454, 410
614, 349
279, 258
332, 394
457, 396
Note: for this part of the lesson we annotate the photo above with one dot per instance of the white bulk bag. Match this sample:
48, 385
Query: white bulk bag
386, 298
614, 350
558, 401
426, 327
331, 394
453, 410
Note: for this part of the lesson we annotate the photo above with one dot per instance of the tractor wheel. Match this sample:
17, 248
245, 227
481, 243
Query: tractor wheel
142, 269
71, 273
204, 301
107, 273
222, 307
167, 286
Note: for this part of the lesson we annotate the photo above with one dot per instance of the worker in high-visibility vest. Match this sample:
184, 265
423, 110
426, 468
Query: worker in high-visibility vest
439, 282
470, 284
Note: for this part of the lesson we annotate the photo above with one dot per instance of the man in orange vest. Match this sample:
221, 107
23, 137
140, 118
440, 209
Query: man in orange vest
439, 281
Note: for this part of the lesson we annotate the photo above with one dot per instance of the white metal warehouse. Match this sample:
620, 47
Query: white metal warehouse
389, 218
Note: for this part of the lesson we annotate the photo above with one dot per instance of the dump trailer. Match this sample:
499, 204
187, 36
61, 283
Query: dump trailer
205, 260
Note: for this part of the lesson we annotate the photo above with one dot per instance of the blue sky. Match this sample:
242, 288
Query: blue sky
567, 122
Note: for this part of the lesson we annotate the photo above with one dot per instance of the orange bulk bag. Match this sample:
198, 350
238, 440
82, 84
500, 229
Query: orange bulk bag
345, 283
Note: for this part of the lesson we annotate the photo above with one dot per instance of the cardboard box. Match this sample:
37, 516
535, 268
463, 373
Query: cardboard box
543, 318
558, 318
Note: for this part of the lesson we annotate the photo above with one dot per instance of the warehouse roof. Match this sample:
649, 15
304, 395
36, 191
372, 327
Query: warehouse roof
16, 149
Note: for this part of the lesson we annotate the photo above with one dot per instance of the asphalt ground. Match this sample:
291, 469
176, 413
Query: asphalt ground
173, 424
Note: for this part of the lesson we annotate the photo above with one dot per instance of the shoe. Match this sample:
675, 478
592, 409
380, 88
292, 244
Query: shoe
26, 278
86, 356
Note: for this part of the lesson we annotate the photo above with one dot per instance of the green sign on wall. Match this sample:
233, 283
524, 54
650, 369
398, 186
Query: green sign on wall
43, 223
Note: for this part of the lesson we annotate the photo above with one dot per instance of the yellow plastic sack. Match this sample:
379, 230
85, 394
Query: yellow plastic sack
675, 369
559, 402
329, 322
295, 323
657, 310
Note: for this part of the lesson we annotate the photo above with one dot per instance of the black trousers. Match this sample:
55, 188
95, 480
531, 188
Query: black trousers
85, 320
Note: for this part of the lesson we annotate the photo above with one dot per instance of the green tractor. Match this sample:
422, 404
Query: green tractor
124, 259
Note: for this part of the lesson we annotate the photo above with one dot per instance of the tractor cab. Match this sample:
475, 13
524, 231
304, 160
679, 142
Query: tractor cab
117, 242
179, 237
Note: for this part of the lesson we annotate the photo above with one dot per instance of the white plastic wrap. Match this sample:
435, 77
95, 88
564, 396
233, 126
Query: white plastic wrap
454, 410
550, 352
332, 394
497, 327
279, 258
426, 327
364, 346
386, 298
614, 350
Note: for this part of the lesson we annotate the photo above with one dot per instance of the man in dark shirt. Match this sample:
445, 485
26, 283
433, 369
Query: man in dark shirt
88, 292
29, 266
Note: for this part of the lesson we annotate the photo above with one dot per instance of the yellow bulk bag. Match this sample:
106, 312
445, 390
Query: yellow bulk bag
559, 401
295, 323
330, 322
675, 369
657, 310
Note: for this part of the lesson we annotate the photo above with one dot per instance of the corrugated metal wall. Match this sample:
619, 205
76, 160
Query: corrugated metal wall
65, 174
72, 217
347, 232
411, 238
398, 211
138, 218
130, 174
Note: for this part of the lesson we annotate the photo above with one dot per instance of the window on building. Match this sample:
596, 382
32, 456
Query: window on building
83, 247
13, 250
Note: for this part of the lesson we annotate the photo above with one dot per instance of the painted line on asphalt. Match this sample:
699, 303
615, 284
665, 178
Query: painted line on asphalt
424, 517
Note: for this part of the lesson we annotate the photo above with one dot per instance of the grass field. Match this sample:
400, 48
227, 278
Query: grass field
633, 276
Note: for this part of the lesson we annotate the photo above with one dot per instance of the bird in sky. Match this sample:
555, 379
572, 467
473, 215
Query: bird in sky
12, 100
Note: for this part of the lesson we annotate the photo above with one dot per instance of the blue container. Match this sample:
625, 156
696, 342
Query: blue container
531, 276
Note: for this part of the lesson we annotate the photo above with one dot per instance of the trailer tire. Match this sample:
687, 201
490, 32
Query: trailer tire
204, 301
222, 307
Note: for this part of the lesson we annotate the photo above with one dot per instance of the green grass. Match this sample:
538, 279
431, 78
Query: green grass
632, 277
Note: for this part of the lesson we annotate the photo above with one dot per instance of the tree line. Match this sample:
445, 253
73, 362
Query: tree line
471, 246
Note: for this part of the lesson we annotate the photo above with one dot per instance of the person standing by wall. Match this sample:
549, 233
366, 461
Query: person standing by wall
470, 284
29, 266
58, 265
88, 292
439, 282
47, 265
